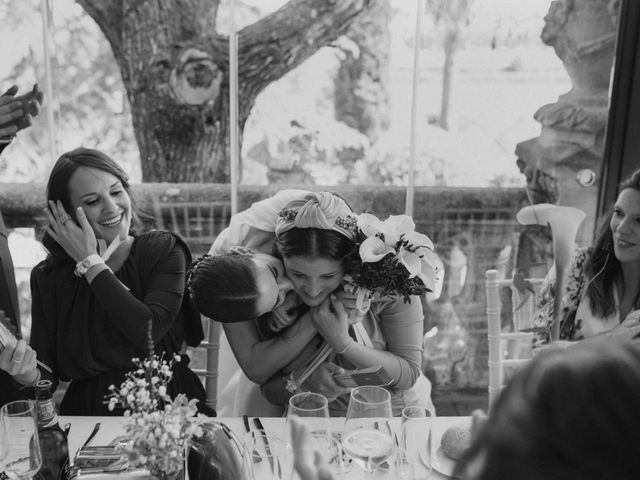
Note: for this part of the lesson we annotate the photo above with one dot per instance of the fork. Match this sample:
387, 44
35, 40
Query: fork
255, 454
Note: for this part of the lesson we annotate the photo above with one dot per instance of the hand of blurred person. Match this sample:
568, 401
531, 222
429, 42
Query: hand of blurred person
16, 112
19, 360
307, 461
321, 381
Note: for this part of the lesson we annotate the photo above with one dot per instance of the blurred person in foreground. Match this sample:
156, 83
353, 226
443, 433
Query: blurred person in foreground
15, 114
569, 414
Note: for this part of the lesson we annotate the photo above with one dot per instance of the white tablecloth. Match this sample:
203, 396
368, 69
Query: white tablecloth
112, 427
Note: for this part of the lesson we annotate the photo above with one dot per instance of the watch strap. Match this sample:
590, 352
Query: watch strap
85, 264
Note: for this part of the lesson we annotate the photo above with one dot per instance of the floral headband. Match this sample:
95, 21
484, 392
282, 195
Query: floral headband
318, 210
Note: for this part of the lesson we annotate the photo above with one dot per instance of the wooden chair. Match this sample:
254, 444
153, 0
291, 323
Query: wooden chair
508, 345
199, 223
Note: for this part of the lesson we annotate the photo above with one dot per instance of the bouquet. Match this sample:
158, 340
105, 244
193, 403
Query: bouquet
159, 428
389, 258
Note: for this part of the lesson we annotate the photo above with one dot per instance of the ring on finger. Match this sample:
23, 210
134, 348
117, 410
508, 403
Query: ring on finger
64, 219
15, 360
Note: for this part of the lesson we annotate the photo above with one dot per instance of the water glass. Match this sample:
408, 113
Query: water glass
367, 437
267, 457
331, 450
414, 459
19, 422
313, 409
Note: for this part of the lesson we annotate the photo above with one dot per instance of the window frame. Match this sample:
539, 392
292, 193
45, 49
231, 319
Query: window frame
622, 142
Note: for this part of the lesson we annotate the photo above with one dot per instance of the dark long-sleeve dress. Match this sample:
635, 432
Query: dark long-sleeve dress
88, 333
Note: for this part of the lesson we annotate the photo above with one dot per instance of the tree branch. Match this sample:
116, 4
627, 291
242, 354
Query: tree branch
108, 15
278, 43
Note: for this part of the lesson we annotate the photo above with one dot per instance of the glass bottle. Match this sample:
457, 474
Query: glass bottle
53, 441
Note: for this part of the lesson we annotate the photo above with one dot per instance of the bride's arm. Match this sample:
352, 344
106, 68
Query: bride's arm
402, 326
260, 359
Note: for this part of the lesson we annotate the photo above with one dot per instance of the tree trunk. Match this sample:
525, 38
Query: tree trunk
175, 70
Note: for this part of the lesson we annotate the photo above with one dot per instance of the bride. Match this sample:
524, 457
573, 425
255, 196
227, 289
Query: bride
312, 233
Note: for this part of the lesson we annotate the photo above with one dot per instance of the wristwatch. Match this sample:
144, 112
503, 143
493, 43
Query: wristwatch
85, 264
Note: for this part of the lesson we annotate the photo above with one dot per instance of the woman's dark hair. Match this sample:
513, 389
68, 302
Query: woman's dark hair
313, 242
58, 189
223, 287
569, 413
602, 268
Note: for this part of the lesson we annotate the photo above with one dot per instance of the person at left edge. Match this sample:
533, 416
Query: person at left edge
90, 314
16, 113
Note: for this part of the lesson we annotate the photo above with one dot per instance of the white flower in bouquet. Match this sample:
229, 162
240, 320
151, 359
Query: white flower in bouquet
391, 259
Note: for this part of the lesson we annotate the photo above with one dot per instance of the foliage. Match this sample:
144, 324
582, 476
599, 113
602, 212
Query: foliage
159, 428
389, 258
90, 106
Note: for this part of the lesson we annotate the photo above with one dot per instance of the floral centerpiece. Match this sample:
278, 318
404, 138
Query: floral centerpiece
389, 258
159, 427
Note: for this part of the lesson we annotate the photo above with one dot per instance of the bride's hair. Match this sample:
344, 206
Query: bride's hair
223, 287
312, 242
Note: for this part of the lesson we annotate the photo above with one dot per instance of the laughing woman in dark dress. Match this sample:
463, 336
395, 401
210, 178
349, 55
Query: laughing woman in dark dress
100, 284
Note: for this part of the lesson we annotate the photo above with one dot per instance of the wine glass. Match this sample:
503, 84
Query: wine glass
331, 449
367, 437
415, 449
313, 409
267, 457
4, 447
24, 458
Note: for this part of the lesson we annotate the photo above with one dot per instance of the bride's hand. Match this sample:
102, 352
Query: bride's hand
79, 241
332, 321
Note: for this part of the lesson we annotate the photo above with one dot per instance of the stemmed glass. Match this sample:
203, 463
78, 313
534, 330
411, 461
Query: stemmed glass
267, 457
313, 408
4, 446
414, 461
367, 434
19, 421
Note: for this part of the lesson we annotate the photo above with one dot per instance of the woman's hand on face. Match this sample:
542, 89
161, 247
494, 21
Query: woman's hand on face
18, 359
321, 381
331, 321
77, 239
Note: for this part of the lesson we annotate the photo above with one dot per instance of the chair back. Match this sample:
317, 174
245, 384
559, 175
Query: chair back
508, 345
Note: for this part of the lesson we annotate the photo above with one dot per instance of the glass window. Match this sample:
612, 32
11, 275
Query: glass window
510, 108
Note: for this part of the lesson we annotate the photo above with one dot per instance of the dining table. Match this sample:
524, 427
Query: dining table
81, 427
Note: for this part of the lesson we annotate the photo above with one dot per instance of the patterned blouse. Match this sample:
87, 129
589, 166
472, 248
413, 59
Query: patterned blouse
570, 327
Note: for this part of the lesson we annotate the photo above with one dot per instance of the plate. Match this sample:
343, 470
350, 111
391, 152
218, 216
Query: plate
442, 463
439, 461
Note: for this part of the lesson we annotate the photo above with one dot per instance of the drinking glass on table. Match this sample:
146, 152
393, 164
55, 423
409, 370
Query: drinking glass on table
19, 422
414, 460
313, 409
267, 457
331, 449
4, 446
367, 436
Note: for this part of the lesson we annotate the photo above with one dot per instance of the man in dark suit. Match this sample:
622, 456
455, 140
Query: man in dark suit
15, 115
